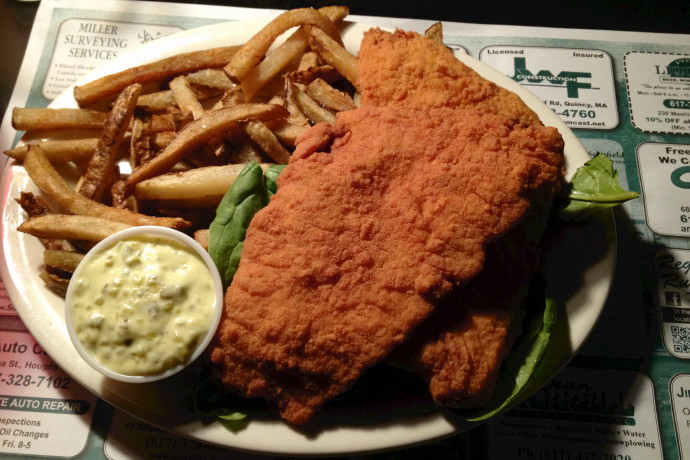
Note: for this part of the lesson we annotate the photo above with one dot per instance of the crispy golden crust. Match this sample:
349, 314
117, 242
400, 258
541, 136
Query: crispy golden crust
459, 350
407, 70
376, 219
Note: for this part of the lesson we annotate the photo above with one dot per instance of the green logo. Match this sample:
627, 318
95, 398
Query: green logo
679, 68
571, 80
677, 177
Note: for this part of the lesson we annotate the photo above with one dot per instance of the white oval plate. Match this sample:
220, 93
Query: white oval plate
364, 428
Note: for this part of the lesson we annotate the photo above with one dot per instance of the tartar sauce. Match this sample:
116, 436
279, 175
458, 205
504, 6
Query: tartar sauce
143, 305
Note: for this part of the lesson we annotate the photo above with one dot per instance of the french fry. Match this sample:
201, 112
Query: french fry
212, 125
308, 60
278, 100
31, 119
66, 261
160, 101
435, 32
212, 78
32, 205
61, 150
71, 227
335, 54
35, 207
201, 237
140, 141
50, 182
203, 92
95, 183
199, 187
274, 62
285, 131
58, 269
297, 117
231, 98
109, 85
259, 133
311, 108
329, 97
172, 120
54, 282
162, 139
287, 52
325, 72
187, 102
249, 55
185, 98
120, 199
156, 101
336, 13
179, 140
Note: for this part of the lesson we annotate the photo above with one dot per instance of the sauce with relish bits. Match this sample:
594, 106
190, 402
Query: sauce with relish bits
143, 305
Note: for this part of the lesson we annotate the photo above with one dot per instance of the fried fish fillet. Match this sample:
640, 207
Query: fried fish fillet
459, 350
410, 71
376, 219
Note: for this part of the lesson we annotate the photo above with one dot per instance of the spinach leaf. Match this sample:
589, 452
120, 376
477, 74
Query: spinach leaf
247, 195
521, 367
210, 399
271, 175
594, 187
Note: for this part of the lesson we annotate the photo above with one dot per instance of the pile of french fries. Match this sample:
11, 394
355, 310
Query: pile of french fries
161, 143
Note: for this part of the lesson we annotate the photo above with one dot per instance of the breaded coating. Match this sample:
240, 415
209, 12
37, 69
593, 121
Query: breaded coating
408, 70
460, 349
375, 221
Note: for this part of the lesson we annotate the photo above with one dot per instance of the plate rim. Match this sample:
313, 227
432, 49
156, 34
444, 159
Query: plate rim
435, 426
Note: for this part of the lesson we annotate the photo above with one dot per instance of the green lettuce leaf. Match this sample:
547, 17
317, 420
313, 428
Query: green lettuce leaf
247, 195
521, 367
594, 187
209, 399
271, 175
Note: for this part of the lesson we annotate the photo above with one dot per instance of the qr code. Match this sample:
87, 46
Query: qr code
681, 339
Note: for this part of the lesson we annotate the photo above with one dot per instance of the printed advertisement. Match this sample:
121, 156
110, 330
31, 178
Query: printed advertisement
625, 395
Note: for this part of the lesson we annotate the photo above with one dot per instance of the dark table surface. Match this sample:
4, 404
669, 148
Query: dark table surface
670, 16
